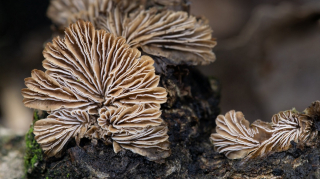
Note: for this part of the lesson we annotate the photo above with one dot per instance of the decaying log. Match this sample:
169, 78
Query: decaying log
190, 112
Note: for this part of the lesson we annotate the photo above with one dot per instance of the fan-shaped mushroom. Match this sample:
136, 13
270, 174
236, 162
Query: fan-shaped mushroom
237, 139
174, 35
138, 128
55, 131
287, 126
88, 69
122, 118
91, 73
151, 142
65, 12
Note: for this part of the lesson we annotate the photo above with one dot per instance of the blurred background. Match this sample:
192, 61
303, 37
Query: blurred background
268, 54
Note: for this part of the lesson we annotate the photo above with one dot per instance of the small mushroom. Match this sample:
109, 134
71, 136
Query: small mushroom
90, 68
237, 139
55, 131
65, 12
151, 142
174, 35
179, 37
287, 126
119, 119
138, 128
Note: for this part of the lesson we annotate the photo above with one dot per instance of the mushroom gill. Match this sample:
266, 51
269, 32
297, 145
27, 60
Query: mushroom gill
181, 38
65, 12
175, 35
88, 69
237, 139
91, 73
138, 128
287, 126
56, 130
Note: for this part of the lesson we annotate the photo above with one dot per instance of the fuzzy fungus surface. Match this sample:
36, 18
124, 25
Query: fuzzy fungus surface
90, 75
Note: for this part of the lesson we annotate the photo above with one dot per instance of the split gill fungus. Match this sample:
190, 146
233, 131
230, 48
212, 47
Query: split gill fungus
237, 139
97, 86
65, 12
175, 35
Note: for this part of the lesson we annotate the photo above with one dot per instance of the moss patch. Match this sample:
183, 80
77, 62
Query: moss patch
34, 153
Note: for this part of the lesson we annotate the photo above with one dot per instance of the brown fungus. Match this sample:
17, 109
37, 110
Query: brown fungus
65, 12
45, 93
174, 35
88, 69
91, 73
139, 129
182, 38
236, 138
55, 131
287, 126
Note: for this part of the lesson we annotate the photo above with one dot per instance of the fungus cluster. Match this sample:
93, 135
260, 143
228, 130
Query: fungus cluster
236, 138
96, 86
65, 12
174, 35
178, 36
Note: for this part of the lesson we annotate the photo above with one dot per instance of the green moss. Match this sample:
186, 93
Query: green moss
34, 153
294, 110
68, 175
